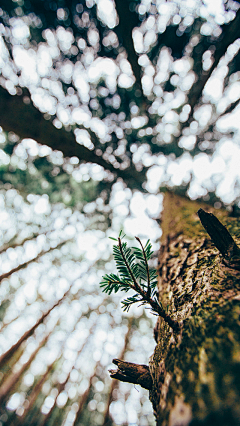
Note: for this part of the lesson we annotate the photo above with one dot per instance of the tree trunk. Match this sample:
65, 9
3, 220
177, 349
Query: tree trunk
196, 372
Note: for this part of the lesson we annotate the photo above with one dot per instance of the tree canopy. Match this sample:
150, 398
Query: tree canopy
103, 105
139, 88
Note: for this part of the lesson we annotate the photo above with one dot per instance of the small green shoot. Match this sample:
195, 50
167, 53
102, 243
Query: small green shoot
135, 274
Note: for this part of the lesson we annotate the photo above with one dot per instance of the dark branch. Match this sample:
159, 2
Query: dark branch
28, 122
229, 35
126, 25
138, 374
221, 238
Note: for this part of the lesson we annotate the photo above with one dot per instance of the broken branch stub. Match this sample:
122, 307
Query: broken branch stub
138, 374
221, 238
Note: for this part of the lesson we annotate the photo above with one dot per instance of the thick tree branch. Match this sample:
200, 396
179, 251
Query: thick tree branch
229, 35
126, 25
28, 122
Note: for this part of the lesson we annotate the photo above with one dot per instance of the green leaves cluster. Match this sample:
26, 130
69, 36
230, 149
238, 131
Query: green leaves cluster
134, 274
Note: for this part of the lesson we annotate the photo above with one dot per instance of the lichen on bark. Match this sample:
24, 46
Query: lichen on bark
196, 372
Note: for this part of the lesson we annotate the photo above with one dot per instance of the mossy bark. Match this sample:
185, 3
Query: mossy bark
196, 372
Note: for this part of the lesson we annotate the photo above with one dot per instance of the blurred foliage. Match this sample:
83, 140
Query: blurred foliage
132, 115
40, 175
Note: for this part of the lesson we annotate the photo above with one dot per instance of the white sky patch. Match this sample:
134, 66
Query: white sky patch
63, 114
203, 114
121, 210
187, 142
15, 401
93, 37
214, 8
42, 205
82, 86
139, 121
138, 40
107, 13
154, 176
4, 54
138, 204
20, 30
44, 60
229, 121
154, 204
47, 103
214, 88
99, 127
202, 166
147, 84
83, 138
31, 248
119, 194
31, 146
26, 61
88, 243
142, 226
181, 170
233, 92
196, 190
79, 116
139, 224
125, 81
104, 68
228, 149
231, 154
182, 66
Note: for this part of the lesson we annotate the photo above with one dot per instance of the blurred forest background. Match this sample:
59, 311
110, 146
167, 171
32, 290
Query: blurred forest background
103, 105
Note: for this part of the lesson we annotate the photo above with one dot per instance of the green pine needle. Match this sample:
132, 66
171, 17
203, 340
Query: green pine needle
133, 274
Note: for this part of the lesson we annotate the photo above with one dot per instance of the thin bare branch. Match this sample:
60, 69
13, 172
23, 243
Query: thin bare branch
229, 35
25, 264
115, 383
12, 380
7, 355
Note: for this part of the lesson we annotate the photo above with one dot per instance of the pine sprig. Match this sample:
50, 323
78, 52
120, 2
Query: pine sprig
135, 274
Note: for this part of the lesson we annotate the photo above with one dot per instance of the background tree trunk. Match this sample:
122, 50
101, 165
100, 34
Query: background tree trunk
196, 373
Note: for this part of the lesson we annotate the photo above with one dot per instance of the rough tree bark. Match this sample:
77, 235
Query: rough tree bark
196, 371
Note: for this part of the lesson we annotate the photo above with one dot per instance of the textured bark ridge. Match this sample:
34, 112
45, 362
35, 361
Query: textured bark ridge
196, 372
